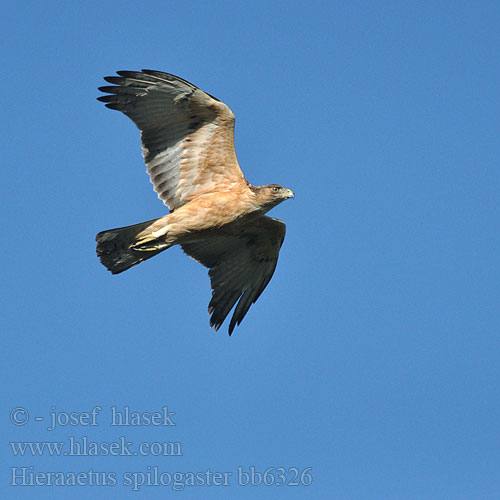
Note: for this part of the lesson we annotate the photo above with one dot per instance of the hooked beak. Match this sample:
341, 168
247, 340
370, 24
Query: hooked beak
290, 193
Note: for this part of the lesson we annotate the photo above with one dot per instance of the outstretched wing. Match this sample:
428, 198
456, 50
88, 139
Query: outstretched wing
242, 260
187, 135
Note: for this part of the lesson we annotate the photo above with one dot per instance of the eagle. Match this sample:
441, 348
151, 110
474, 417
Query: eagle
216, 215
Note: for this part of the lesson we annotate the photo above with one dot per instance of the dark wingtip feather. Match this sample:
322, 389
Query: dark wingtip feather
159, 74
232, 325
110, 89
127, 73
214, 325
113, 79
110, 102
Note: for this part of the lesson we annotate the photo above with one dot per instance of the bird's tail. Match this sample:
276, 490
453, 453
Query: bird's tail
119, 249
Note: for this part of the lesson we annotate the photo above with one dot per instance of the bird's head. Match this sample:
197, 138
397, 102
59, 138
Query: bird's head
271, 195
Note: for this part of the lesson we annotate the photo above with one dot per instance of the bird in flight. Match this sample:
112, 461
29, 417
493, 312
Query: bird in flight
216, 215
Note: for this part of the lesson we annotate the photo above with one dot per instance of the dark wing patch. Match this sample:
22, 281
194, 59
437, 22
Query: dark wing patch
242, 260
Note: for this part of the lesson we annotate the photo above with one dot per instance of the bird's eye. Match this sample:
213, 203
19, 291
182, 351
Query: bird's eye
276, 189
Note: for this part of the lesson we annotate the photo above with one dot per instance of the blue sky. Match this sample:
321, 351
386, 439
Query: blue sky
373, 356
